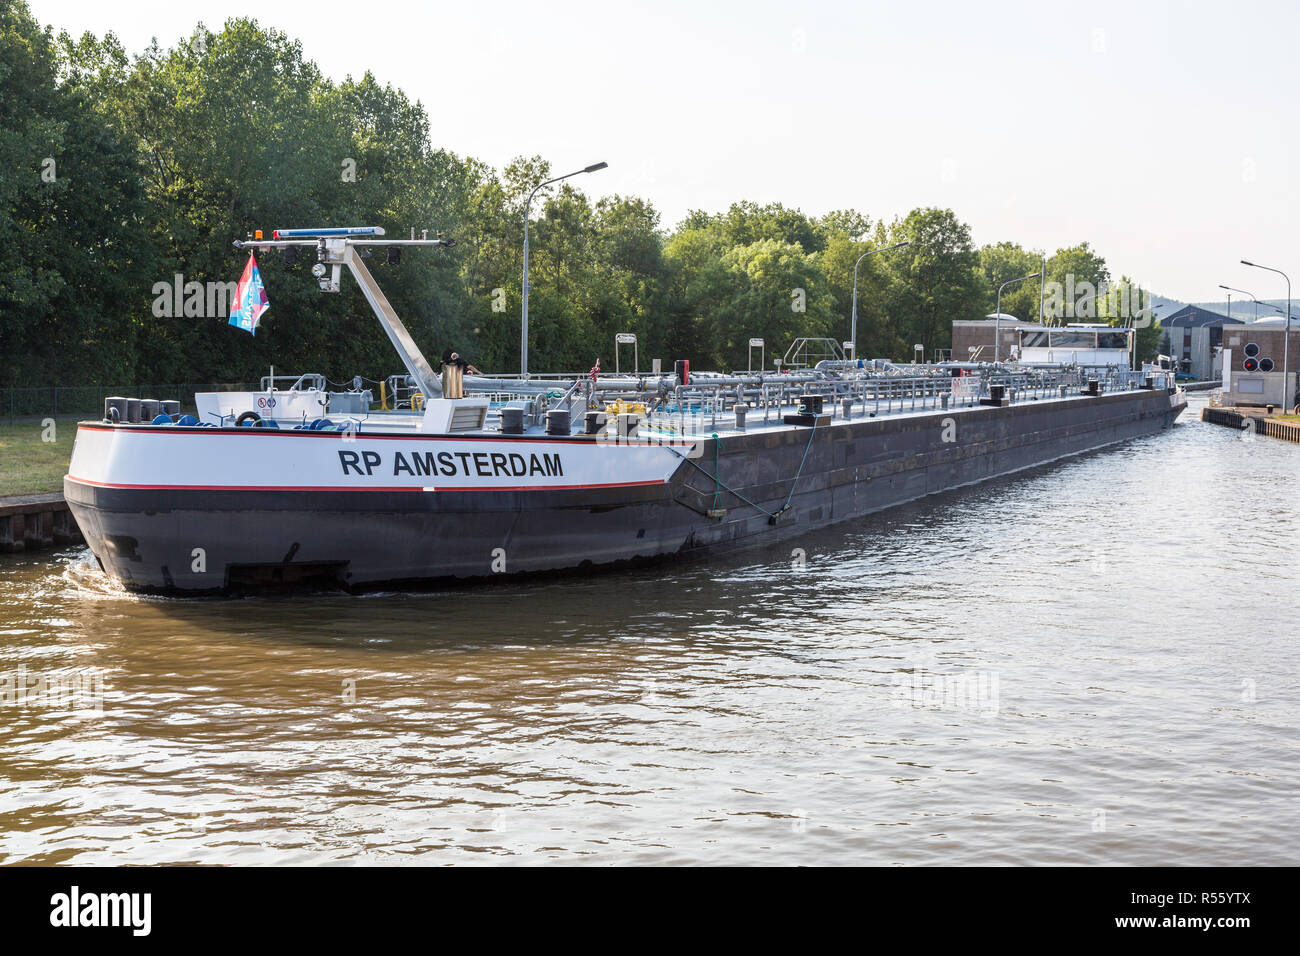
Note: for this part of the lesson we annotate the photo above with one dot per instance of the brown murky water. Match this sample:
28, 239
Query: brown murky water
1093, 662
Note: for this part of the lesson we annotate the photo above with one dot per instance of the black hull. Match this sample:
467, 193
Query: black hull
192, 541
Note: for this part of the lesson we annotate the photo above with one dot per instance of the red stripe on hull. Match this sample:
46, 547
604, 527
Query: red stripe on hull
428, 489
373, 436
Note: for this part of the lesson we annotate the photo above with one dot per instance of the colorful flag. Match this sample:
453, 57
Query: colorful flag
250, 299
595, 370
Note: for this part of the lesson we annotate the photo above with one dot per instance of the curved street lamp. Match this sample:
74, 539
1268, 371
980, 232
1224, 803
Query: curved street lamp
853, 332
523, 330
1286, 336
997, 322
1243, 292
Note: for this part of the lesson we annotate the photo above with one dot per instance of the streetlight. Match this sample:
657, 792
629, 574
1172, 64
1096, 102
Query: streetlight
1286, 336
523, 331
853, 332
997, 322
1243, 292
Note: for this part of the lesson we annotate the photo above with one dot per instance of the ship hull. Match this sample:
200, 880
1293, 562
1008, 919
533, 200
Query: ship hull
688, 500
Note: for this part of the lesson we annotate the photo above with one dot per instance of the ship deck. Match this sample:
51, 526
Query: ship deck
686, 423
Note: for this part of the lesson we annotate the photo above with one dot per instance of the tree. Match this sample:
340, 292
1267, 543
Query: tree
161, 159
770, 289
1075, 275
72, 255
1126, 304
935, 279
1006, 261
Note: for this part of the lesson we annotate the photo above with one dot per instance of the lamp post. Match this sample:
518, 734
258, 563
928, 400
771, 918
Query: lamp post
1243, 292
853, 332
997, 320
523, 329
1042, 287
1286, 336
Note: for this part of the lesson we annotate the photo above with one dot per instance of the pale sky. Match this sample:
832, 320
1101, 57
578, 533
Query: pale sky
1158, 131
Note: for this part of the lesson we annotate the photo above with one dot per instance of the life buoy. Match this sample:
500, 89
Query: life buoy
248, 417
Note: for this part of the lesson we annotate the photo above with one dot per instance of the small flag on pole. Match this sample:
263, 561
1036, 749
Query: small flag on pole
595, 370
250, 299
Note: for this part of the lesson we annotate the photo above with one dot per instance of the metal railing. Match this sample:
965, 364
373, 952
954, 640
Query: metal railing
847, 391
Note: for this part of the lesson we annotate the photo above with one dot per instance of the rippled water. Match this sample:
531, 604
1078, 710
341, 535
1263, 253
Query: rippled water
1117, 629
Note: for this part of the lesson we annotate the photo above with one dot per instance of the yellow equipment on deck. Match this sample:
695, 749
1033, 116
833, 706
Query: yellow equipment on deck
625, 408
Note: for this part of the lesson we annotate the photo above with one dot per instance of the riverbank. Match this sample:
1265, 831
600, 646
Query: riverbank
34, 457
30, 462
35, 522
1276, 425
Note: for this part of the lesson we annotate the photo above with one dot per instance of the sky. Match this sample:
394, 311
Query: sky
1159, 132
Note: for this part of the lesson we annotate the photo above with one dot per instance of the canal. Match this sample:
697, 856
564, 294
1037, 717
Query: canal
1091, 662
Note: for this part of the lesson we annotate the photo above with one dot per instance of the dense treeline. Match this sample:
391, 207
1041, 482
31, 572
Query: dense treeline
120, 172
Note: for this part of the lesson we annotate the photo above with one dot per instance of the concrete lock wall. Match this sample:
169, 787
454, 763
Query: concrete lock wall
30, 522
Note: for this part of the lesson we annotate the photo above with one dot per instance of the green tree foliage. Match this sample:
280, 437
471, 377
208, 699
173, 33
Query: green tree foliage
1081, 274
935, 279
1004, 262
71, 210
1127, 304
161, 159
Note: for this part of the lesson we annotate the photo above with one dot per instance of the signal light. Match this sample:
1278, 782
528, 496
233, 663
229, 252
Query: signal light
394, 255
1250, 365
257, 233
1266, 365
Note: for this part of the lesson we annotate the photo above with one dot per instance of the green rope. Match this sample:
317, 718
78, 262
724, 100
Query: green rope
717, 482
717, 450
794, 484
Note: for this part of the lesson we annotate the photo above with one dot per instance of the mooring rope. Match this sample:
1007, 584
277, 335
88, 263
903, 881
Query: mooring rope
794, 484
718, 482
717, 450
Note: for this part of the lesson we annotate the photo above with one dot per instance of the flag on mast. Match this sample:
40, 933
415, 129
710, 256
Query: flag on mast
250, 299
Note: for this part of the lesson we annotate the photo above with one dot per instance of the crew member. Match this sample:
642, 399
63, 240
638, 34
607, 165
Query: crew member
454, 368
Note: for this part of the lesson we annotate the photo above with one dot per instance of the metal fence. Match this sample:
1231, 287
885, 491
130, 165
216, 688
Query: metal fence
55, 400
